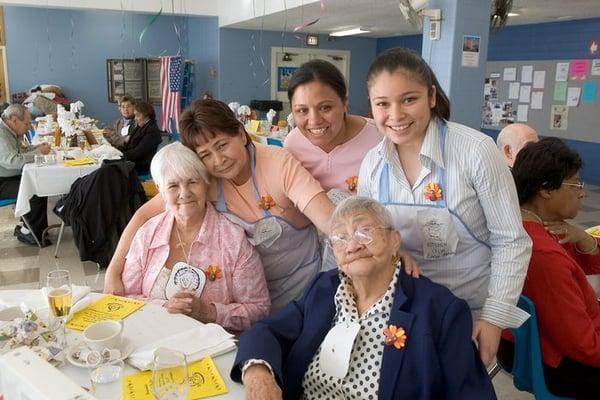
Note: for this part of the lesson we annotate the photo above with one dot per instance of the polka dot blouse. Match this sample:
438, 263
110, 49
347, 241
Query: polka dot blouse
362, 378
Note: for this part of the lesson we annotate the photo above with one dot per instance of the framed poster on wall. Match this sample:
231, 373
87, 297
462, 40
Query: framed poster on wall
126, 76
153, 80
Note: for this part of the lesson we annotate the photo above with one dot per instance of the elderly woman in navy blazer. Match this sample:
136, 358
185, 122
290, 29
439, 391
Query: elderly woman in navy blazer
365, 331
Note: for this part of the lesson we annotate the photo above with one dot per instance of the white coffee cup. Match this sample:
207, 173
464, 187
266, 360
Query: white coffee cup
103, 335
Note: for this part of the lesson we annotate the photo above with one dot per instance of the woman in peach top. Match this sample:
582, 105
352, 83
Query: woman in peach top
261, 188
190, 258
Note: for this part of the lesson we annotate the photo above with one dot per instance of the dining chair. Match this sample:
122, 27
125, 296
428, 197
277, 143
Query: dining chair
528, 374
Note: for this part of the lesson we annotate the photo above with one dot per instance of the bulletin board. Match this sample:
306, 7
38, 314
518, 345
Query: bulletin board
568, 109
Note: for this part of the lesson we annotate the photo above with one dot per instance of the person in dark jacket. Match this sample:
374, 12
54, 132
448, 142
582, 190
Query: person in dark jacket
144, 140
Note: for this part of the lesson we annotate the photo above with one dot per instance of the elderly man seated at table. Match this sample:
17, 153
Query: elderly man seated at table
191, 246
118, 135
16, 121
366, 331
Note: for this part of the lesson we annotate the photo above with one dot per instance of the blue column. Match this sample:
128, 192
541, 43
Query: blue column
462, 84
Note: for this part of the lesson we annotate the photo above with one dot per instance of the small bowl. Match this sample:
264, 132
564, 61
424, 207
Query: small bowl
103, 335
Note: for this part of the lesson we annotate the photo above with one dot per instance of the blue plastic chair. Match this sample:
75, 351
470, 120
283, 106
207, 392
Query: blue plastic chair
174, 133
144, 178
528, 374
274, 142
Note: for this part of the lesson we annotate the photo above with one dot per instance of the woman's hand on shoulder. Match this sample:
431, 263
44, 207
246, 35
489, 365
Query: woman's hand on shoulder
409, 264
260, 384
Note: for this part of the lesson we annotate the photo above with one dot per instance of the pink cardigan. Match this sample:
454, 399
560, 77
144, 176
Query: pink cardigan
241, 296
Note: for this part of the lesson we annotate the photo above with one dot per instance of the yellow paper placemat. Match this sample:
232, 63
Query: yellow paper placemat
80, 161
109, 307
204, 380
594, 230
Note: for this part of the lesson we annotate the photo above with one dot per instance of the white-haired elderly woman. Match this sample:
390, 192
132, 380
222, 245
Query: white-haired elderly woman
366, 331
189, 243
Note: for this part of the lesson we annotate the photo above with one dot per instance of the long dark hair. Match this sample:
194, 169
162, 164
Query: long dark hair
397, 58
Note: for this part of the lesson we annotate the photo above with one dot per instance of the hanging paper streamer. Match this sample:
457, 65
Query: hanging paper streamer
149, 24
122, 37
49, 40
300, 27
74, 65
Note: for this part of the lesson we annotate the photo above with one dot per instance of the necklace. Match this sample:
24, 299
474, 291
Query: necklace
534, 215
181, 244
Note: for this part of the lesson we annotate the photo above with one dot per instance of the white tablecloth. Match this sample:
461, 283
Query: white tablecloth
47, 180
165, 324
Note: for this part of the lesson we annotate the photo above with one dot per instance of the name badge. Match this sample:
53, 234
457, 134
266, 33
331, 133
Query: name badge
125, 130
438, 233
336, 349
266, 232
185, 277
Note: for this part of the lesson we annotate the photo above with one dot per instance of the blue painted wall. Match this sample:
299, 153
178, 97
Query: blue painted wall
414, 42
42, 47
243, 75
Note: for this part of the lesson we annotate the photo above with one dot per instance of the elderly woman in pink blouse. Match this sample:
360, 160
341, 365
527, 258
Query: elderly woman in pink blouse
190, 258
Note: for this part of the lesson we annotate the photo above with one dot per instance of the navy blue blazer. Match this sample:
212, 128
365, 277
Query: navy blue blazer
439, 360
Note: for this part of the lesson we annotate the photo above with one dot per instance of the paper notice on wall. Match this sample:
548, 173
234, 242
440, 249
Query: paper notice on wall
522, 110
595, 70
539, 77
495, 75
470, 55
524, 93
513, 90
510, 73
559, 117
560, 91
573, 94
526, 73
579, 69
536, 100
562, 72
589, 92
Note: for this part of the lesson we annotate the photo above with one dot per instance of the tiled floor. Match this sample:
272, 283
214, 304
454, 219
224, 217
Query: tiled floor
22, 266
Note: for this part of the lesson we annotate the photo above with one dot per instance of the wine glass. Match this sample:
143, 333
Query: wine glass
169, 375
60, 297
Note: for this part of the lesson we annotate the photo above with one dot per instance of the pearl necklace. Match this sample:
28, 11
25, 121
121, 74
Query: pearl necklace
537, 217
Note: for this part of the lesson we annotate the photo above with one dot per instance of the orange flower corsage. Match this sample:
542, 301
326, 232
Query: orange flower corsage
394, 336
213, 272
352, 181
433, 192
266, 202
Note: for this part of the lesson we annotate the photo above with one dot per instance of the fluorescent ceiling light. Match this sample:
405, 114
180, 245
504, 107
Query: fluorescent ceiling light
348, 32
511, 14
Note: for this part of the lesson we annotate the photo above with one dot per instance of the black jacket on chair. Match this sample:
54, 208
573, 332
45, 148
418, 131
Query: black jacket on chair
142, 146
99, 206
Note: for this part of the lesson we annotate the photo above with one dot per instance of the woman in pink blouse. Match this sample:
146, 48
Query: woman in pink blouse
189, 243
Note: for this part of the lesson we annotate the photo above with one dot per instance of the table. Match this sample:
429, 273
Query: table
169, 323
47, 180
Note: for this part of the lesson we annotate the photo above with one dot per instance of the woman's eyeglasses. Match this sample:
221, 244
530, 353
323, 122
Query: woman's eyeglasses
362, 236
578, 185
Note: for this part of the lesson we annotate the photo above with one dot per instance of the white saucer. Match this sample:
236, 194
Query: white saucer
126, 350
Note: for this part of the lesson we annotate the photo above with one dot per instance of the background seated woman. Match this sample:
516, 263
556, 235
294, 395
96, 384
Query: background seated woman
144, 138
568, 313
190, 231
393, 336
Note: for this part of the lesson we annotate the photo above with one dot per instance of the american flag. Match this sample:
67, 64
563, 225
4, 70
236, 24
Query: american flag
171, 76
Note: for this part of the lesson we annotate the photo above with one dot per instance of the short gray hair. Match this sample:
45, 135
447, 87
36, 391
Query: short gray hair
15, 110
356, 204
176, 159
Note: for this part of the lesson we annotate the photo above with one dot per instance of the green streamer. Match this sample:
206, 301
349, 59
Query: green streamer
149, 24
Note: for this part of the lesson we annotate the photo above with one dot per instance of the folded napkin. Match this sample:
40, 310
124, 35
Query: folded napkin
80, 161
197, 343
106, 152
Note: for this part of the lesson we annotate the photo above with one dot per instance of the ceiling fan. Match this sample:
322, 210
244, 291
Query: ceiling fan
413, 12
499, 16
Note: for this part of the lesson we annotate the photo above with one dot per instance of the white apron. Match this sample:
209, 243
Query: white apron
464, 270
291, 257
